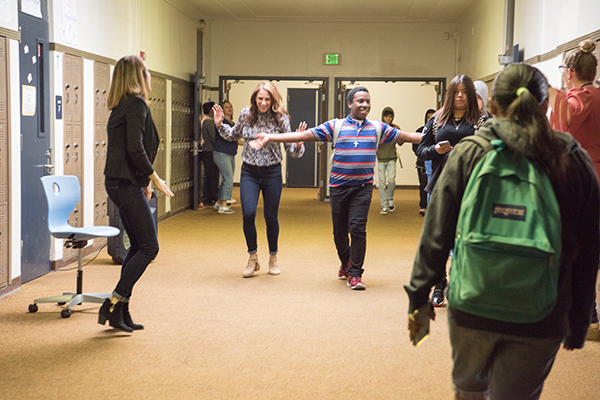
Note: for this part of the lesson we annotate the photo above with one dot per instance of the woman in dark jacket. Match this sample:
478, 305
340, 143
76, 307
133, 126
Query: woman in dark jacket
132, 145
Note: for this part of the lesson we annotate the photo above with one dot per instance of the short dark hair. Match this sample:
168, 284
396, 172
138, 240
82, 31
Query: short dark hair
353, 91
206, 107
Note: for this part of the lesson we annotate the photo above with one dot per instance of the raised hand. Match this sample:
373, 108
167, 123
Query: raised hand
218, 116
260, 141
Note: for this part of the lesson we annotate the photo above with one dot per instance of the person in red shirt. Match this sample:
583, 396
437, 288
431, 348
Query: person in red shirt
577, 111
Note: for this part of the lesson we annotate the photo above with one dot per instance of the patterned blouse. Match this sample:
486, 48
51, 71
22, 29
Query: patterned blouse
270, 154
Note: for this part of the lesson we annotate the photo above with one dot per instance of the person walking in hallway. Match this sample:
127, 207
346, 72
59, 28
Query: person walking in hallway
224, 156
510, 310
261, 168
132, 146
351, 181
210, 187
386, 167
459, 117
421, 172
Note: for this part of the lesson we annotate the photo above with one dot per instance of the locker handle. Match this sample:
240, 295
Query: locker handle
97, 144
97, 90
67, 86
75, 87
75, 145
67, 145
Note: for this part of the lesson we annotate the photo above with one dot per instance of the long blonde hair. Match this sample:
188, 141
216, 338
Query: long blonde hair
129, 77
277, 108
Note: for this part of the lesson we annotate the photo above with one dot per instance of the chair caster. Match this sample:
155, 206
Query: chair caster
65, 313
33, 308
61, 303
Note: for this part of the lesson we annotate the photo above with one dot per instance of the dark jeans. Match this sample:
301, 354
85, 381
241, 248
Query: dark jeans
210, 188
422, 185
349, 212
252, 180
141, 229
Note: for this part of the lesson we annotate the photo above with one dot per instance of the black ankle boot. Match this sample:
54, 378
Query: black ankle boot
127, 318
114, 317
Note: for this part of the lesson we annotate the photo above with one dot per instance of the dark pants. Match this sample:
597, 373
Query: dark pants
349, 212
422, 185
210, 188
141, 229
253, 180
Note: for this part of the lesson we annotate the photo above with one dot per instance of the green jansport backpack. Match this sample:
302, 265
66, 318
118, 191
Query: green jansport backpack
507, 247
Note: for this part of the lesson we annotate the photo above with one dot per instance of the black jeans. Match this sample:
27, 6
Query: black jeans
141, 229
422, 185
210, 188
349, 212
253, 180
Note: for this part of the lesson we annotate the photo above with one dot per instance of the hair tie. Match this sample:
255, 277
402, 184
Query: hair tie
522, 90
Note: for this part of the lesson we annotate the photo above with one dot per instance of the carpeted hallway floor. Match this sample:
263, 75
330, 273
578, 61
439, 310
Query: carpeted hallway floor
210, 334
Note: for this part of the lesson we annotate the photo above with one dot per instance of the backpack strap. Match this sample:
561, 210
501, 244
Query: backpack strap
337, 126
377, 125
481, 141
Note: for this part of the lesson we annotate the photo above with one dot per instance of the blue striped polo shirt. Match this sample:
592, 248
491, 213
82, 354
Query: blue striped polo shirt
355, 153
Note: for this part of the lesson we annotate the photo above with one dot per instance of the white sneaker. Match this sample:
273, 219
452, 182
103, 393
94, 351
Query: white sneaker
391, 205
225, 210
384, 210
231, 201
252, 266
217, 206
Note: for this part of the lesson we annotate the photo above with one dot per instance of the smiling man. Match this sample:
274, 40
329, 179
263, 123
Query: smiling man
351, 179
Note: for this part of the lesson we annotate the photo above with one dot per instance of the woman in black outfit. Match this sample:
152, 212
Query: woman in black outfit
132, 145
458, 118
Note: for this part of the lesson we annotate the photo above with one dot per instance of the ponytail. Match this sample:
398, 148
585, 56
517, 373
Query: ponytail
520, 90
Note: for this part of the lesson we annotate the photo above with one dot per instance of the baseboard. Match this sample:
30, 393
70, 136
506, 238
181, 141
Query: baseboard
14, 285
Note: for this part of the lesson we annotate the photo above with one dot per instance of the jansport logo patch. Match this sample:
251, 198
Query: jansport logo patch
508, 211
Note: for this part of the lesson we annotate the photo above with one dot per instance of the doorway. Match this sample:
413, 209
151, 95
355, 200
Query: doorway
305, 99
35, 139
410, 98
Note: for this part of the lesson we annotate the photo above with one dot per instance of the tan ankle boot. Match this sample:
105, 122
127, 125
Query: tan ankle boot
273, 267
252, 266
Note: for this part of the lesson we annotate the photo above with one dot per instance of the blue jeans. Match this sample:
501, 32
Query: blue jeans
429, 173
226, 164
349, 212
141, 229
253, 180
386, 186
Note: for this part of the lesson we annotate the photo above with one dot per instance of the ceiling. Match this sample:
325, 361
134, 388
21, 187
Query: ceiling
438, 11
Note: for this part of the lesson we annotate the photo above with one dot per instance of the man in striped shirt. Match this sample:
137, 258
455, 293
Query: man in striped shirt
351, 179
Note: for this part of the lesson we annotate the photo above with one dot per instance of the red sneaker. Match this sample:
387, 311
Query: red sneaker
343, 271
355, 283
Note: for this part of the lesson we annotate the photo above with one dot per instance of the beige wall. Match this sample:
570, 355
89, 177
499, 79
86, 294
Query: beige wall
296, 49
480, 36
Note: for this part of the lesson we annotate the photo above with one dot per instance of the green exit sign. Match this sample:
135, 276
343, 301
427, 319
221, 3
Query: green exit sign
333, 59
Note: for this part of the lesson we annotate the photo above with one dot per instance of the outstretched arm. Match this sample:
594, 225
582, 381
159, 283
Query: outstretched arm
302, 135
410, 137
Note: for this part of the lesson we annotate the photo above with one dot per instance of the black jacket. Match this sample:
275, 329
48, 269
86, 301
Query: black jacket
132, 142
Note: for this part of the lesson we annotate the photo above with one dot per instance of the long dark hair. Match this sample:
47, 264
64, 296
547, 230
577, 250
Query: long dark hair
446, 113
528, 119
277, 108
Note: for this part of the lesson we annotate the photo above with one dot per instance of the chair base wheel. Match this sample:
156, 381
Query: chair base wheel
33, 308
65, 313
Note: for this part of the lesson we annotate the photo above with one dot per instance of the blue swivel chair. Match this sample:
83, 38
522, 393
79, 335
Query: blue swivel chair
62, 194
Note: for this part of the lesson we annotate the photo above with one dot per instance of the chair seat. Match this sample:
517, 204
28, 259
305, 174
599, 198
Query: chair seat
84, 233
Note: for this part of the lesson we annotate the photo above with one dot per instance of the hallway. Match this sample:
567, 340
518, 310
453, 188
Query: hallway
210, 334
